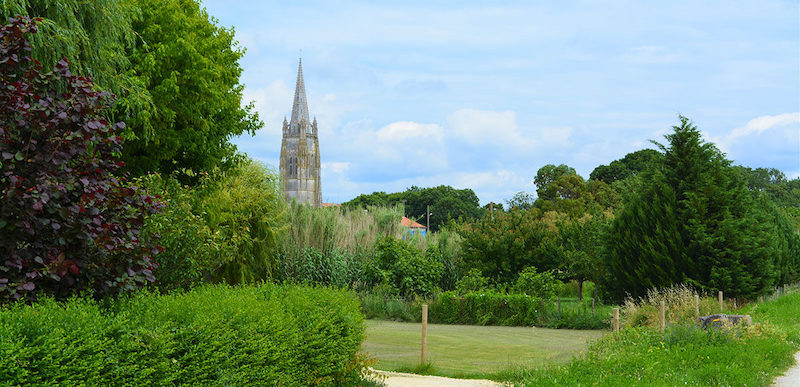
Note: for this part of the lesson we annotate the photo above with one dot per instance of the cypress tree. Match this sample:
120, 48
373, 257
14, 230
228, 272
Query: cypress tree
695, 222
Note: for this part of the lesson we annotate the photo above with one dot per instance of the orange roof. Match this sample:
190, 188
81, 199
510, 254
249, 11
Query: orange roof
410, 223
331, 205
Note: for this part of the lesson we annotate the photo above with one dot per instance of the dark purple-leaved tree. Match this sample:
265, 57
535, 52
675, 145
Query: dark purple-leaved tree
67, 224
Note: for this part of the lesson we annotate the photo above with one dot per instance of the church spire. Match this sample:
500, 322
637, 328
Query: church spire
300, 106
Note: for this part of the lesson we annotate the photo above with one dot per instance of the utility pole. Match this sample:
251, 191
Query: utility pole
428, 217
491, 209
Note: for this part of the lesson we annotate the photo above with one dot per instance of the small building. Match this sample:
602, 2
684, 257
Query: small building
413, 227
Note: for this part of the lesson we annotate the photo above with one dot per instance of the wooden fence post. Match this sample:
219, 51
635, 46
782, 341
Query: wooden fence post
424, 331
696, 306
663, 316
721, 306
734, 303
616, 319
592, 306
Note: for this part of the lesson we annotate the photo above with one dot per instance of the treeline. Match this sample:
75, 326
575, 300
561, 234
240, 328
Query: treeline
682, 214
444, 202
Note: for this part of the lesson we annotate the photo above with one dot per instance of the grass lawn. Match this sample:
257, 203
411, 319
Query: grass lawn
472, 351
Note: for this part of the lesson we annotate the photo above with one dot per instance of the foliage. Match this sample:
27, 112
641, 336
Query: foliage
445, 203
175, 72
66, 222
500, 246
580, 246
513, 309
695, 222
192, 250
190, 67
406, 269
548, 174
571, 195
333, 267
95, 38
632, 164
213, 335
473, 281
246, 208
521, 201
335, 228
542, 285
686, 354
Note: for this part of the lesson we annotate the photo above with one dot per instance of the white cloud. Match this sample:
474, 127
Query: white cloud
482, 127
336, 167
403, 130
756, 127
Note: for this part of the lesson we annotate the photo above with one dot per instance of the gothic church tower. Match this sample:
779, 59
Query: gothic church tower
300, 166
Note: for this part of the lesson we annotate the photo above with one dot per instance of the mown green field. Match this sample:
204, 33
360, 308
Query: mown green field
462, 350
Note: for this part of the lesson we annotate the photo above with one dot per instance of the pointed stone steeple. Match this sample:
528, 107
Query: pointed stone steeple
300, 106
300, 159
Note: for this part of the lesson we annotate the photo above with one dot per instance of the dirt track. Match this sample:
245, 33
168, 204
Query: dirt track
792, 377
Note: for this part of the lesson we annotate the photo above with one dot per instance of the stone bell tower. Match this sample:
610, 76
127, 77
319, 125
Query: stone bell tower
300, 165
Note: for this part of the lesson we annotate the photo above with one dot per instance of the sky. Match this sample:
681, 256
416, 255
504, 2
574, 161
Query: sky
482, 94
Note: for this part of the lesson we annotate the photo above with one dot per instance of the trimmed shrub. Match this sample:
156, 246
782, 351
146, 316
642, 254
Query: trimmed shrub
213, 335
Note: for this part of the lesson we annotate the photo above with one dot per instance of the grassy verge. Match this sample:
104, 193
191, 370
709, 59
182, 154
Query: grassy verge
470, 351
685, 354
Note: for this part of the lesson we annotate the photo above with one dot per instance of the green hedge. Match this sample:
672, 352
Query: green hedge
213, 335
489, 308
495, 308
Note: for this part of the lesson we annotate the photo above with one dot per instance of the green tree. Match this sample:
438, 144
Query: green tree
548, 174
632, 164
445, 203
521, 201
695, 222
500, 246
190, 66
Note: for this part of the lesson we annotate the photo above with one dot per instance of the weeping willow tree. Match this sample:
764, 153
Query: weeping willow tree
95, 37
246, 208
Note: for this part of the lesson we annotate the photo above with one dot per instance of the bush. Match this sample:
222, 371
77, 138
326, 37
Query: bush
214, 335
542, 285
406, 269
66, 222
472, 282
192, 250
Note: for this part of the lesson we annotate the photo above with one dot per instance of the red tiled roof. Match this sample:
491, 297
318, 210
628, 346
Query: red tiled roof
410, 223
331, 205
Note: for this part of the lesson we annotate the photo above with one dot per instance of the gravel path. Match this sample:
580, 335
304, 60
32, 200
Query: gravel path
792, 377
399, 379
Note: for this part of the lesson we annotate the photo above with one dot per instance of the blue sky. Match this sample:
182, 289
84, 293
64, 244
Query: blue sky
482, 94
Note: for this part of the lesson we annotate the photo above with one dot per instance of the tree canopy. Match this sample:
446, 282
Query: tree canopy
695, 222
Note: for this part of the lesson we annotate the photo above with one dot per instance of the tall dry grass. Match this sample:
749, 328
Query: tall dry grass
679, 307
